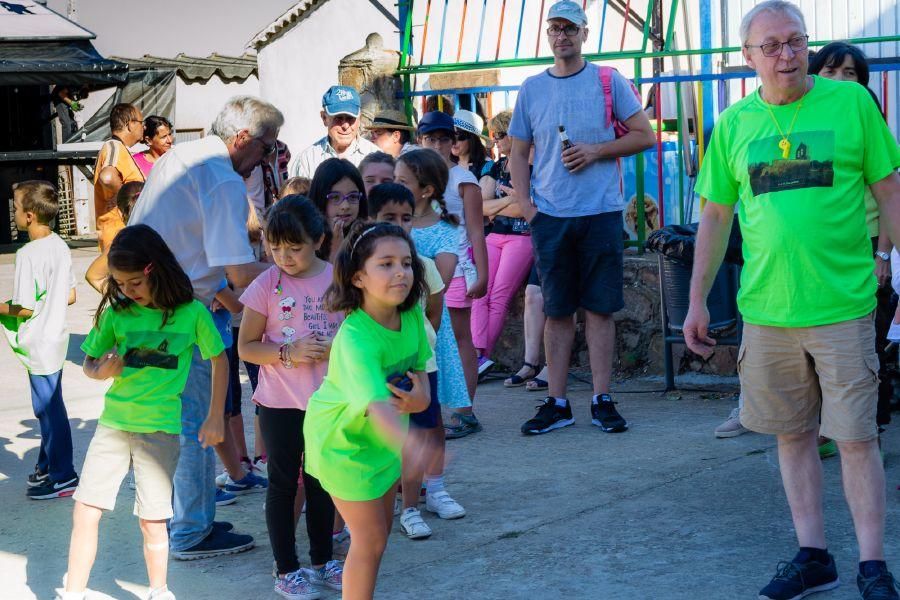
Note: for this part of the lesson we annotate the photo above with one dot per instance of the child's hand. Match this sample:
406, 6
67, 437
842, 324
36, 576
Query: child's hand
212, 432
479, 288
413, 401
216, 305
108, 365
308, 349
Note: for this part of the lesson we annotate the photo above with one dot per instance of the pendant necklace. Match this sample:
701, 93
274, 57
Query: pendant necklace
785, 145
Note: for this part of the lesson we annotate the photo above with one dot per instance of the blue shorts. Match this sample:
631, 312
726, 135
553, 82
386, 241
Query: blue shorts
428, 418
580, 262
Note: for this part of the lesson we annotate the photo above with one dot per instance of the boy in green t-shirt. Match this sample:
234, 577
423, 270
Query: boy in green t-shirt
34, 322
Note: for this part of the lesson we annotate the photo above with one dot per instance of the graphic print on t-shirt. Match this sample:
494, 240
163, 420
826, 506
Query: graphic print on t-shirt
810, 162
151, 349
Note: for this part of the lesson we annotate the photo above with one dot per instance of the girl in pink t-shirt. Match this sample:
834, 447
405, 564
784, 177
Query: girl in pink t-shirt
286, 331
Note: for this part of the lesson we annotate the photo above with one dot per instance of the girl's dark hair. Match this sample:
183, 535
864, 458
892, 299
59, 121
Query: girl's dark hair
127, 196
294, 220
384, 193
832, 56
326, 176
478, 156
430, 169
358, 246
153, 123
138, 248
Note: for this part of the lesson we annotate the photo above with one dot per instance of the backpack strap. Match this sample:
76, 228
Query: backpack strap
606, 84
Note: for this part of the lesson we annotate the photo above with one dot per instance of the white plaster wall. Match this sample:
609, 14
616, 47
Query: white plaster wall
197, 104
298, 67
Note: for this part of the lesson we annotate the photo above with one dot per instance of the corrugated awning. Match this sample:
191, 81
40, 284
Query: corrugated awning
74, 62
195, 68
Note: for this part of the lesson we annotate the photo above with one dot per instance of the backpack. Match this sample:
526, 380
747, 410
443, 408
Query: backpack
606, 75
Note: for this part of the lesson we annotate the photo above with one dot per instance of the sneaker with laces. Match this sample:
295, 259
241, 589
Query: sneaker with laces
250, 483
605, 416
37, 478
222, 479
294, 586
224, 498
731, 427
879, 587
444, 506
484, 365
330, 576
549, 417
340, 542
261, 466
461, 425
53, 489
161, 594
793, 581
412, 524
217, 543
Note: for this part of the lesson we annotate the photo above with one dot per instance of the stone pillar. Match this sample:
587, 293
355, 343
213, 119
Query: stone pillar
371, 71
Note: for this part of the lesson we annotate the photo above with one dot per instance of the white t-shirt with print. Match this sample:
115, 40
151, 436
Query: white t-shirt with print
43, 281
458, 176
198, 203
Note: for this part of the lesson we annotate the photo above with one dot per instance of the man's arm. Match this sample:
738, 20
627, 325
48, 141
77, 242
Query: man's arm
14, 310
521, 176
887, 194
712, 241
110, 178
640, 136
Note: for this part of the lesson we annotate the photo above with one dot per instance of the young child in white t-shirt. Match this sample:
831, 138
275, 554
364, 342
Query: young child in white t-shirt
34, 322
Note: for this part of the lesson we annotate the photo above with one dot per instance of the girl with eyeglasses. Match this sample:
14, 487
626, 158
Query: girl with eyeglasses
338, 191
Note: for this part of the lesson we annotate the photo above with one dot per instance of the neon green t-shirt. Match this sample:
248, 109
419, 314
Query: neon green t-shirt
343, 449
146, 397
807, 254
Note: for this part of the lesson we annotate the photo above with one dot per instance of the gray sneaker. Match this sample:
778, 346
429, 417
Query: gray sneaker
461, 425
732, 426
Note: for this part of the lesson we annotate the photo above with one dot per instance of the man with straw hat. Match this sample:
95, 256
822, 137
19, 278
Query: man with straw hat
391, 132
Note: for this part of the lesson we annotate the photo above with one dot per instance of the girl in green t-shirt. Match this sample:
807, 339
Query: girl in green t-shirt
144, 335
356, 421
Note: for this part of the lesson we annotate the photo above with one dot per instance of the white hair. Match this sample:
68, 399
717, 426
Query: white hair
770, 6
257, 116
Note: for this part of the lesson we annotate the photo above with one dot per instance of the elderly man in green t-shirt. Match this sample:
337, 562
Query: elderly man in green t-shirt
798, 154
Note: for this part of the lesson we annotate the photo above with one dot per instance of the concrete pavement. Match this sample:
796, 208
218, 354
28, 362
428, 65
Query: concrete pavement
662, 511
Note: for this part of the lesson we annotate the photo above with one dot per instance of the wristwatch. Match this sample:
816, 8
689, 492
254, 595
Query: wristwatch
883, 256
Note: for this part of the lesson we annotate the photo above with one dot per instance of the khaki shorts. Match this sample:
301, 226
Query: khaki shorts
791, 377
112, 451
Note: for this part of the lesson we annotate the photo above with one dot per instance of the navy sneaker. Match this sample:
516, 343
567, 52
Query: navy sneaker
222, 525
605, 416
53, 489
38, 477
879, 587
793, 581
217, 543
549, 417
223, 498
250, 483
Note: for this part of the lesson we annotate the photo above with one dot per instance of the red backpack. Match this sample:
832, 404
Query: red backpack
606, 75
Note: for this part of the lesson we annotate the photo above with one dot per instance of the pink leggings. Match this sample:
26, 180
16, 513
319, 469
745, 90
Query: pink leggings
509, 262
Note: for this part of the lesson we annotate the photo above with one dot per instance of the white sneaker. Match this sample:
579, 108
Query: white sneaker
261, 466
161, 595
413, 526
222, 479
445, 506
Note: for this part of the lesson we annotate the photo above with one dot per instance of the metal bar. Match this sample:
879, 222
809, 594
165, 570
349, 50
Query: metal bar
625, 25
639, 175
500, 29
621, 55
443, 28
623, 8
481, 31
706, 62
646, 33
519, 34
660, 179
424, 31
670, 34
683, 135
602, 25
884, 93
700, 136
406, 48
462, 30
537, 45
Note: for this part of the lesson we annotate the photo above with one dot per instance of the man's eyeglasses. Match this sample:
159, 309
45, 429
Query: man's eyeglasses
336, 198
268, 149
569, 30
499, 135
444, 139
770, 49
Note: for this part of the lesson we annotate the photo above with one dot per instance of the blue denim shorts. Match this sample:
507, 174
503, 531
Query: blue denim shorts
580, 261
428, 418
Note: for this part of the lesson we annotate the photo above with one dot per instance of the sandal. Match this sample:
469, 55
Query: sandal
518, 381
537, 384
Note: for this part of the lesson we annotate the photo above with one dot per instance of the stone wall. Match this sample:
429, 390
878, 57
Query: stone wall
639, 345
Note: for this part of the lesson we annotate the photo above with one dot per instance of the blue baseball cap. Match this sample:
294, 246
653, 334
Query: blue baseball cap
435, 121
568, 10
341, 100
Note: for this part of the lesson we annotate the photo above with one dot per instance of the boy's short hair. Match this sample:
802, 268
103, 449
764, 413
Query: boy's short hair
38, 197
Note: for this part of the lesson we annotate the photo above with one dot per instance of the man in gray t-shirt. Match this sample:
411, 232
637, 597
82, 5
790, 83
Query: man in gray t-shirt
576, 225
